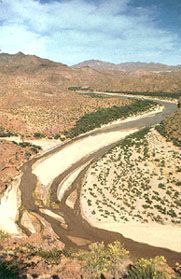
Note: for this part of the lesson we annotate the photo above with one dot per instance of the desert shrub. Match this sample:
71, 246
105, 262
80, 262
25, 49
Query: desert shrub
161, 128
5, 133
172, 213
178, 202
97, 95
3, 235
8, 270
155, 268
101, 258
27, 155
95, 260
68, 252
74, 88
162, 186
24, 144
117, 255
51, 256
39, 135
28, 144
56, 136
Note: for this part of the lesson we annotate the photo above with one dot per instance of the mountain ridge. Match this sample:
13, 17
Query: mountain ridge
126, 66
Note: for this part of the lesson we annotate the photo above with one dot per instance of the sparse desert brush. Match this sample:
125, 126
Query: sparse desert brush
39, 135
101, 258
156, 268
9, 269
136, 184
3, 235
6, 133
51, 256
170, 128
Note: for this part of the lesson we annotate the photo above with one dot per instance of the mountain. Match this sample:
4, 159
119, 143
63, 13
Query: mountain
34, 95
27, 63
96, 64
126, 67
34, 92
152, 67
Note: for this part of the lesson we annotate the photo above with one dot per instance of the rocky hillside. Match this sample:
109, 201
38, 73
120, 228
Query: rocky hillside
12, 156
133, 77
32, 75
172, 125
150, 67
34, 91
27, 114
34, 95
19, 260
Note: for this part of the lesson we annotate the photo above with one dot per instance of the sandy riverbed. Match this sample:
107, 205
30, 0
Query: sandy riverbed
67, 182
49, 168
165, 236
9, 205
45, 144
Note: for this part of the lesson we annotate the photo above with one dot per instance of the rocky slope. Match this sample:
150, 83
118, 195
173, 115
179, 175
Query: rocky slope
34, 95
133, 77
30, 261
12, 157
172, 126
34, 91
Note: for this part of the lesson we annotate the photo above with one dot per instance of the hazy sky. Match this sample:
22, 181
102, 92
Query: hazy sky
71, 31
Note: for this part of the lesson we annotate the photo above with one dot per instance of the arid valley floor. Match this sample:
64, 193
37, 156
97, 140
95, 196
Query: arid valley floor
89, 154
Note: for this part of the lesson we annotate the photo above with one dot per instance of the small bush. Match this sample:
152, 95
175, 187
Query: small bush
56, 136
27, 155
8, 270
3, 235
51, 256
155, 268
102, 258
162, 186
39, 135
4, 133
161, 128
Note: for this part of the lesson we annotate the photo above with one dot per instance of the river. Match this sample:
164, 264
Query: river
77, 227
